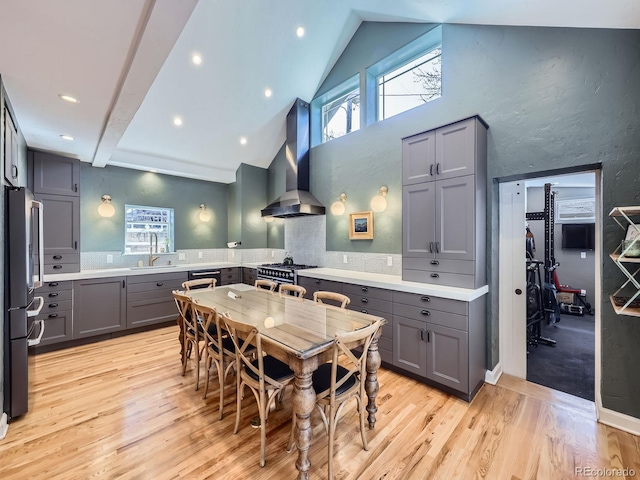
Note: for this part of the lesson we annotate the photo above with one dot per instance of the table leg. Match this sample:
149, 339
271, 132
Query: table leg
304, 400
371, 385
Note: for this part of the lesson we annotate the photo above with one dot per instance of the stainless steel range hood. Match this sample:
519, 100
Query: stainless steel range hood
296, 201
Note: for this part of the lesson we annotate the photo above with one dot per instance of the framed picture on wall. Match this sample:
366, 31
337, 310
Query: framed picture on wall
361, 226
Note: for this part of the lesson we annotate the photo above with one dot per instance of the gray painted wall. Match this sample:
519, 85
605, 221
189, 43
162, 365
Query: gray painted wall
249, 197
135, 187
554, 98
573, 270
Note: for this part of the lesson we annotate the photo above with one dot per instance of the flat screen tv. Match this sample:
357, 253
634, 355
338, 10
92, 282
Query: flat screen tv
578, 236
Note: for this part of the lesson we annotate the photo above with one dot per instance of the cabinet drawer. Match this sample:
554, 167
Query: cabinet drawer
439, 278
157, 277
55, 296
381, 307
53, 306
160, 294
54, 287
316, 284
436, 317
429, 302
385, 343
465, 267
155, 285
52, 259
147, 312
249, 275
57, 328
61, 268
355, 291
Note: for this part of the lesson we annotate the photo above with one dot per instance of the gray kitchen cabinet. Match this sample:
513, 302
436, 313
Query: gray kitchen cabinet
10, 148
313, 285
55, 175
61, 228
149, 298
443, 220
249, 275
57, 312
229, 275
419, 158
409, 346
100, 306
447, 356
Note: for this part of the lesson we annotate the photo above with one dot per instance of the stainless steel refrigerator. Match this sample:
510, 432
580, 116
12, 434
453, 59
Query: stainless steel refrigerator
22, 275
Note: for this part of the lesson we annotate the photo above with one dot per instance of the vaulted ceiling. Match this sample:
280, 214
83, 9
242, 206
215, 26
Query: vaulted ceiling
129, 63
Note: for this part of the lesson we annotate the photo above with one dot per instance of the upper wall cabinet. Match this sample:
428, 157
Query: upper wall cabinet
10, 149
444, 204
55, 175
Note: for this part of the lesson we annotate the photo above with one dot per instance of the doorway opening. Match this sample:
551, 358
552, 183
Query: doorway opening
549, 252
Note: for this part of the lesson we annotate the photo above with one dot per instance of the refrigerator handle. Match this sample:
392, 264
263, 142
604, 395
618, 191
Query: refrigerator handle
32, 342
36, 312
40, 207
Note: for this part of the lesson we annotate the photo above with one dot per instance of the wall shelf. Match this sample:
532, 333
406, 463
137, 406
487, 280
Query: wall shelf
628, 304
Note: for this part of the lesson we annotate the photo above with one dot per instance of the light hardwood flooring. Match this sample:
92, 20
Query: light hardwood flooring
121, 409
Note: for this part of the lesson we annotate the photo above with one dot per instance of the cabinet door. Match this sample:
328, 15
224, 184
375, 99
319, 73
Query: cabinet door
448, 357
61, 224
419, 220
10, 149
418, 158
455, 149
455, 218
409, 345
249, 276
57, 327
99, 306
55, 175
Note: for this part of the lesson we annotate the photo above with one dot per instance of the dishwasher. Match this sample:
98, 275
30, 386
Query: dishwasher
205, 273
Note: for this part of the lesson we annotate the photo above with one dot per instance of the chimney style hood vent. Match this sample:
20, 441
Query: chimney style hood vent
296, 201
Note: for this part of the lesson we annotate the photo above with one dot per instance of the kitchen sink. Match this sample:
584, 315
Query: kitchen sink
149, 267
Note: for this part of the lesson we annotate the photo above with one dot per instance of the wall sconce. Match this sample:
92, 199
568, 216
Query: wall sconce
204, 215
379, 202
268, 218
337, 207
106, 209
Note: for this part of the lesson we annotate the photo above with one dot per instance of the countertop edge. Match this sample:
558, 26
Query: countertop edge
394, 282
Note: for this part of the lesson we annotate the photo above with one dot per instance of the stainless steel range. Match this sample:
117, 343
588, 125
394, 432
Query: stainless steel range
281, 273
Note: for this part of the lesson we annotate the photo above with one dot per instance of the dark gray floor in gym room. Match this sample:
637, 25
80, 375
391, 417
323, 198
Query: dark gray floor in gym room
570, 365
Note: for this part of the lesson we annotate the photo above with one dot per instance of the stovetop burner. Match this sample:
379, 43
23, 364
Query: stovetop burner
288, 267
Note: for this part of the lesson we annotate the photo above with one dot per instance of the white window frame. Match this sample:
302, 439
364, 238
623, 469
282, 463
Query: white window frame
163, 245
318, 103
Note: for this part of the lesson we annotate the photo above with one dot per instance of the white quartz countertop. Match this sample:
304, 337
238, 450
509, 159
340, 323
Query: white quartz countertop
125, 272
393, 282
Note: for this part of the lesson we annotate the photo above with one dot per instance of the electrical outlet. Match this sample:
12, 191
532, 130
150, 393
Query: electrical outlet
233, 254
199, 254
583, 254
389, 261
109, 258
182, 256
344, 259
273, 254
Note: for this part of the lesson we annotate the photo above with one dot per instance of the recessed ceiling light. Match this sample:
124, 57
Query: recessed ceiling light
243, 140
69, 98
300, 32
153, 170
177, 121
67, 137
196, 59
268, 92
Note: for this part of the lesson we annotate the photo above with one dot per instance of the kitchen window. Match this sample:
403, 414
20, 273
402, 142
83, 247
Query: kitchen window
144, 226
408, 78
337, 110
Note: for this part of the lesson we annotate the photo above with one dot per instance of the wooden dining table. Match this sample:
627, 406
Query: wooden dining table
299, 332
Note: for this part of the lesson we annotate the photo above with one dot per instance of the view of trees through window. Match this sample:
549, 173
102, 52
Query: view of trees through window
341, 116
411, 85
143, 225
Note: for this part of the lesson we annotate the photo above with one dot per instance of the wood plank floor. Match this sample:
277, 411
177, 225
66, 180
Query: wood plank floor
121, 409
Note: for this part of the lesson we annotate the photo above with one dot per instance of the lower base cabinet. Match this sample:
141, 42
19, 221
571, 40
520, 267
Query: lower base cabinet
229, 275
100, 306
56, 312
149, 298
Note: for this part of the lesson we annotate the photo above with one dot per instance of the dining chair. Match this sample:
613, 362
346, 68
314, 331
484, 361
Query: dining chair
266, 376
209, 283
265, 285
322, 296
340, 380
191, 334
287, 289
219, 348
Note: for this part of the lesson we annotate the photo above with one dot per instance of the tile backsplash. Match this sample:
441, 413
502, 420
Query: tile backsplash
304, 239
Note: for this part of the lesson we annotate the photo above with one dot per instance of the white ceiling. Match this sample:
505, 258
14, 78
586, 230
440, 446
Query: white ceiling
128, 62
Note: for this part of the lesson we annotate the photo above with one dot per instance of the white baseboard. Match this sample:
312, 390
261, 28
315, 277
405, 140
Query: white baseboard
618, 420
492, 376
3, 426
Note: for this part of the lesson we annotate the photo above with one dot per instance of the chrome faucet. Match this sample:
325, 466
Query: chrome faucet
151, 257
